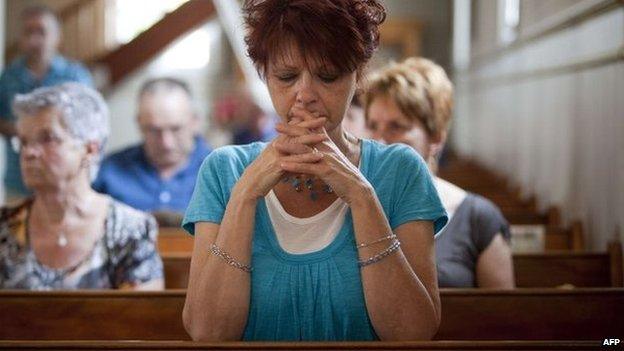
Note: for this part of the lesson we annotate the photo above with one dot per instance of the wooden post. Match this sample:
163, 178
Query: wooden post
615, 257
577, 240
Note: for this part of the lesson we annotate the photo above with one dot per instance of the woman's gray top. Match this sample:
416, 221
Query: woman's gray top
469, 232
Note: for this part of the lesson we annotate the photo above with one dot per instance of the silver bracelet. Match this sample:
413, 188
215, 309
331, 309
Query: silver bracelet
381, 255
228, 259
389, 237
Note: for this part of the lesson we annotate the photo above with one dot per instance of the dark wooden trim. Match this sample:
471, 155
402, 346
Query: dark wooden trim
309, 346
615, 257
145, 46
467, 314
92, 294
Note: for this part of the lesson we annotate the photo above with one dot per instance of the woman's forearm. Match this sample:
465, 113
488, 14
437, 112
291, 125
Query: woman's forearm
398, 302
217, 300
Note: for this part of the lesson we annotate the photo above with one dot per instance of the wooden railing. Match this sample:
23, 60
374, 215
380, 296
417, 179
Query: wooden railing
308, 346
127, 58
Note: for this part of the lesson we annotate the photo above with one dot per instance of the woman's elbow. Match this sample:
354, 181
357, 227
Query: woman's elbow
196, 330
191, 329
200, 329
431, 332
426, 331
417, 327
429, 325
410, 334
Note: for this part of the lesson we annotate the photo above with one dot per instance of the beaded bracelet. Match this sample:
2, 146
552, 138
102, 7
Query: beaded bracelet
389, 237
228, 259
381, 255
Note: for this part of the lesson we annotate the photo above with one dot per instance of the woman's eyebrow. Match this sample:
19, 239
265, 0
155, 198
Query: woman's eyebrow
283, 67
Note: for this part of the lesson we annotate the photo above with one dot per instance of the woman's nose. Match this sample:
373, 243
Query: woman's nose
306, 92
378, 135
28, 151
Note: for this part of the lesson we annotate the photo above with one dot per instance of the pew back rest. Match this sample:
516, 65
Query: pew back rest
531, 270
556, 269
471, 314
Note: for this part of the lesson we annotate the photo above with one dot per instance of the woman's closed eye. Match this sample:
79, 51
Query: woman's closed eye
395, 126
286, 77
372, 126
328, 78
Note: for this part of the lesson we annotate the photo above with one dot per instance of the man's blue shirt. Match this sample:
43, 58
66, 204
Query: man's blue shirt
17, 79
129, 177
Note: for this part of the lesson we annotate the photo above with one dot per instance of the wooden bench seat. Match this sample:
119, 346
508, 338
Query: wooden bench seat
471, 314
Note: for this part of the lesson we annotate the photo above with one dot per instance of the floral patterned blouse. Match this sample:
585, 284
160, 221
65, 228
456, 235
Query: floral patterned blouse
125, 255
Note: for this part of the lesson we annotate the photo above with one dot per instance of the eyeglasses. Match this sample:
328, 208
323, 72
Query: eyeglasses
42, 142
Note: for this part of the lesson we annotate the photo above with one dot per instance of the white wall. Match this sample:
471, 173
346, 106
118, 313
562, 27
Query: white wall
558, 134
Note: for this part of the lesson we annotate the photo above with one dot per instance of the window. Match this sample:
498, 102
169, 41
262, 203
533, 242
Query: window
131, 17
508, 20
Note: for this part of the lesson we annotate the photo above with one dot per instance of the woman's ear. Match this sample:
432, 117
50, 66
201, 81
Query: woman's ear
361, 78
92, 149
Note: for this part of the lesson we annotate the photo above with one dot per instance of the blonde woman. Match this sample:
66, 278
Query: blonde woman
411, 103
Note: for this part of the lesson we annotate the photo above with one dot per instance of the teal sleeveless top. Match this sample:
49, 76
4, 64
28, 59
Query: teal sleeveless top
316, 296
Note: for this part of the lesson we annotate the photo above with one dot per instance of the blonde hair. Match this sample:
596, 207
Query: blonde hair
419, 87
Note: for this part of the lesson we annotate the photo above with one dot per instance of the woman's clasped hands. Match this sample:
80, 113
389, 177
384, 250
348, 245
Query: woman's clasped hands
304, 147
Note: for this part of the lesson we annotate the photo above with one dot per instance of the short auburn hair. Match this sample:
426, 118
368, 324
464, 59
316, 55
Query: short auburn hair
419, 87
342, 34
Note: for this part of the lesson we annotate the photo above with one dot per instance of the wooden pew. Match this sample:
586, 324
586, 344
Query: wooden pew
531, 314
174, 240
92, 315
548, 269
308, 346
579, 269
522, 314
177, 241
176, 268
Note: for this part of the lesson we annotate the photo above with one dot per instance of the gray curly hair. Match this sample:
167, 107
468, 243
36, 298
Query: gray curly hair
83, 112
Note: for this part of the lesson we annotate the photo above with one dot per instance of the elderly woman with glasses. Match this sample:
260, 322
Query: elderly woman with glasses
67, 236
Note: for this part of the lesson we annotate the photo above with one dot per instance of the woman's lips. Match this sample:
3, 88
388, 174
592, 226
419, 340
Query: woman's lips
290, 114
